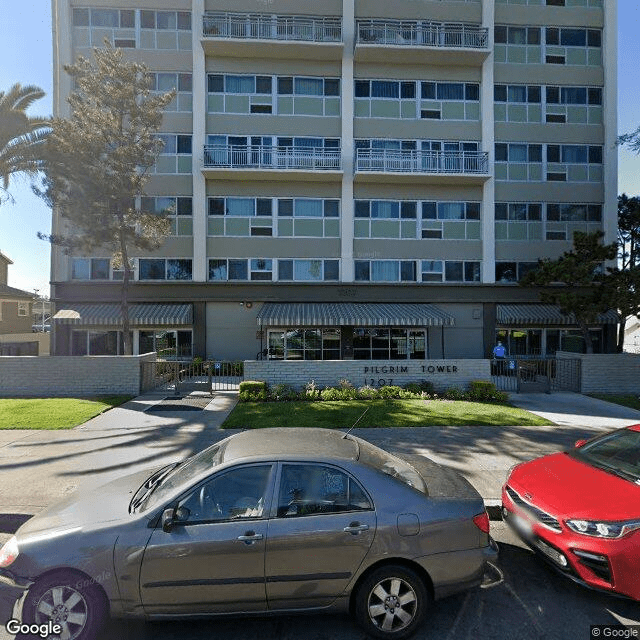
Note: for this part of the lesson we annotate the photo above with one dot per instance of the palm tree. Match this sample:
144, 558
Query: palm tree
20, 134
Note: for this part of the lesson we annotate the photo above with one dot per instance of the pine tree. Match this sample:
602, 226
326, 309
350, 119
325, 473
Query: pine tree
97, 163
577, 281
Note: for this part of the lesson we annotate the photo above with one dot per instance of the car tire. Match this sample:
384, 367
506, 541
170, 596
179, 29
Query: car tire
74, 601
391, 602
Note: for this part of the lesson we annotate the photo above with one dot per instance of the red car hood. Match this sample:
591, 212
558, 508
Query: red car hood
568, 488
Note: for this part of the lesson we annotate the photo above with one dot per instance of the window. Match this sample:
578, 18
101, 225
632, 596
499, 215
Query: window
304, 344
311, 489
178, 209
237, 494
175, 156
23, 309
261, 269
385, 270
162, 82
307, 270
90, 268
169, 344
385, 343
165, 268
518, 211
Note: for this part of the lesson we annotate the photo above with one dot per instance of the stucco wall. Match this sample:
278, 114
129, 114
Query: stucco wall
608, 372
70, 375
443, 373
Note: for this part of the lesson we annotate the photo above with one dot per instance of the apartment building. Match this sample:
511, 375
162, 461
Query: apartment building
354, 178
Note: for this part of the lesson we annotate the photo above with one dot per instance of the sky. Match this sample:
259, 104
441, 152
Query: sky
26, 57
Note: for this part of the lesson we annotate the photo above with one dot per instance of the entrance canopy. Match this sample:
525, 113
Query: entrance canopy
542, 314
110, 314
335, 314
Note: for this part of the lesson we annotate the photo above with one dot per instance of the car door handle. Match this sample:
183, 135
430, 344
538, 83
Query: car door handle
250, 537
355, 528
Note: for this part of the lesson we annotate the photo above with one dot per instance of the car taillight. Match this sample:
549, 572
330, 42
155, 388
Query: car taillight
482, 522
9, 552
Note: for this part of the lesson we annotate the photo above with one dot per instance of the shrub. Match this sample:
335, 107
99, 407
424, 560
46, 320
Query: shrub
255, 396
453, 393
311, 391
389, 391
427, 387
413, 387
331, 393
368, 393
284, 392
252, 385
345, 384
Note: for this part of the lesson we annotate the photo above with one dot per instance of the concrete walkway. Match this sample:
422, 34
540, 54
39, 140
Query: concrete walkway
576, 410
39, 467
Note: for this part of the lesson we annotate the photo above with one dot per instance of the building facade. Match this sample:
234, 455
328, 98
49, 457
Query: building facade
354, 178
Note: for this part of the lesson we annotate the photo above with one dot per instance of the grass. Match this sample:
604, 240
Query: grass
625, 399
53, 413
382, 413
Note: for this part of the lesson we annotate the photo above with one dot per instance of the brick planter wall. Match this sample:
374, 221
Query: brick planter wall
608, 372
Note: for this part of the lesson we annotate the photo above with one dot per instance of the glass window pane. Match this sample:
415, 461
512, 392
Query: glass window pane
237, 269
184, 20
385, 271
166, 20
307, 270
105, 18
285, 207
148, 19
81, 269
308, 208
331, 208
217, 269
308, 86
285, 86
500, 93
450, 91
240, 207
100, 269
331, 269
362, 89
362, 270
453, 271
517, 93
573, 37
81, 17
285, 269
385, 209
385, 89
517, 153
451, 210
184, 144
429, 211
263, 84
151, 269
215, 83
331, 87
179, 269
240, 84
362, 209
428, 90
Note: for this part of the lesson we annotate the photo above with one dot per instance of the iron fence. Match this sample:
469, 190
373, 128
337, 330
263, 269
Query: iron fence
536, 375
187, 376
421, 33
271, 157
415, 161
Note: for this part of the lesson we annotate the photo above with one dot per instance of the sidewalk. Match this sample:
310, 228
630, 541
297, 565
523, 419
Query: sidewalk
39, 467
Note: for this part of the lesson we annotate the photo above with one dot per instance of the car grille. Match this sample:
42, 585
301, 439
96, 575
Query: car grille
597, 563
538, 514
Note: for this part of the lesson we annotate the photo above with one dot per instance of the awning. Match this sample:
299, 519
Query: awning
110, 314
335, 314
543, 314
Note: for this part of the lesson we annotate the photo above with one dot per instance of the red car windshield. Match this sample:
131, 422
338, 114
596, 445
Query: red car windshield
618, 453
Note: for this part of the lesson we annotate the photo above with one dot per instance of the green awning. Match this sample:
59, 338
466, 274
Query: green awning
543, 314
110, 314
335, 314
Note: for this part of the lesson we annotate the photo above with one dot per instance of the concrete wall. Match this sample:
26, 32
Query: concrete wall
59, 376
608, 372
375, 373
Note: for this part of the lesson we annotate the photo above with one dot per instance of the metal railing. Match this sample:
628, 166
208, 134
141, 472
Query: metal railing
526, 374
272, 157
419, 33
271, 27
412, 161
185, 376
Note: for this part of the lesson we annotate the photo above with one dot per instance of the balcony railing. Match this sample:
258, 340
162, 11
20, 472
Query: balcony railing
420, 33
272, 157
271, 27
411, 161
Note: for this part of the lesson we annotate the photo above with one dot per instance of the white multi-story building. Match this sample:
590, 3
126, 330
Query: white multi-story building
354, 178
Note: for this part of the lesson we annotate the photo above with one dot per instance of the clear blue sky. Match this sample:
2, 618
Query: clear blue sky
25, 57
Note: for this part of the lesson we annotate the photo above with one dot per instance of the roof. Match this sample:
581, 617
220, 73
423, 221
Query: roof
11, 292
7, 259
335, 314
110, 314
543, 314
283, 441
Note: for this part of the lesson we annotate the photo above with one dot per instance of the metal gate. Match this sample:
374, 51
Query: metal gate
536, 375
185, 377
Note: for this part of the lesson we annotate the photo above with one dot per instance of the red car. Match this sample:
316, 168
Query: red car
580, 510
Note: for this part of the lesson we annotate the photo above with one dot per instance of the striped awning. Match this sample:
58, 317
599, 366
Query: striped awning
110, 314
335, 314
543, 314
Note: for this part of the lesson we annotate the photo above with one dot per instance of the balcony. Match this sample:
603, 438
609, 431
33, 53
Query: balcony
423, 167
259, 162
420, 41
252, 35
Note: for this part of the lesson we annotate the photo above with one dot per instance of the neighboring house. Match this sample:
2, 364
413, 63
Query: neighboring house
15, 304
368, 182
632, 335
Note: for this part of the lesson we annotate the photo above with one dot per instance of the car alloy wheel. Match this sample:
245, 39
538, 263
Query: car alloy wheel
64, 606
391, 602
73, 601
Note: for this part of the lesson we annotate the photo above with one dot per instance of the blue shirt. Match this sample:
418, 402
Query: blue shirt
499, 351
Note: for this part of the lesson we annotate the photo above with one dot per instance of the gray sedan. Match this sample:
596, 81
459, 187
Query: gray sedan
266, 521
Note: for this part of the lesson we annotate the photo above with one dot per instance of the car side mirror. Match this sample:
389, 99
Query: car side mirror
579, 443
167, 520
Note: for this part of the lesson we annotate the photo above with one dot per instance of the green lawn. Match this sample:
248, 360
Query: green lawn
382, 413
625, 399
53, 413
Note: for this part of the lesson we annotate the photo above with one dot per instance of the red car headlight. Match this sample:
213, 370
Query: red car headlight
9, 552
598, 529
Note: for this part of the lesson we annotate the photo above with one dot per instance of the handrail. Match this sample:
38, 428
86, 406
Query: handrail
421, 33
272, 157
226, 25
415, 161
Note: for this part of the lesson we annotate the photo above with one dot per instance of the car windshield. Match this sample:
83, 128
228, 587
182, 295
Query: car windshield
617, 453
182, 475
381, 460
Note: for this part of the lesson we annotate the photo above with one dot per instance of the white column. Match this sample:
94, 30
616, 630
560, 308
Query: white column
200, 266
610, 118
62, 55
346, 224
487, 215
